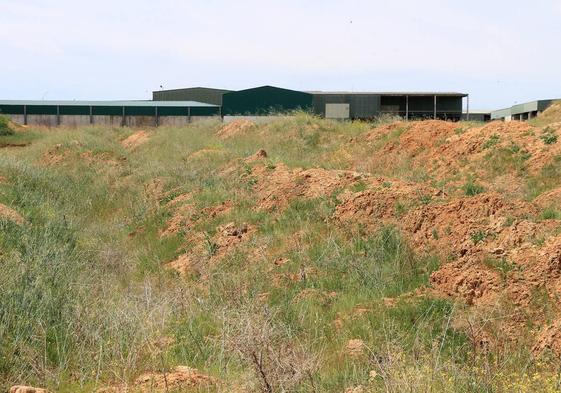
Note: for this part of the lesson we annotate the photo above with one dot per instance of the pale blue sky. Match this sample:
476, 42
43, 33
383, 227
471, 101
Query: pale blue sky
500, 52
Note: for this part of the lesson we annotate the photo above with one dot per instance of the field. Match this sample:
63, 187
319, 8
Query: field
300, 256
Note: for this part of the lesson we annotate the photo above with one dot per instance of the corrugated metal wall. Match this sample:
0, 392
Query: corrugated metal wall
199, 94
363, 106
266, 100
110, 110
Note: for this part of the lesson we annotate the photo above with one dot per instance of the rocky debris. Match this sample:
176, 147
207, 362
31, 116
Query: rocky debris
26, 389
235, 128
10, 214
180, 379
135, 140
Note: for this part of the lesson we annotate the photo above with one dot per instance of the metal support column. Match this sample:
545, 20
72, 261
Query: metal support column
189, 115
434, 113
406, 107
91, 114
58, 115
157, 116
25, 115
467, 114
123, 120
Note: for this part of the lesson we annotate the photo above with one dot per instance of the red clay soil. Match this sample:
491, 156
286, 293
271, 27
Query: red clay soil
7, 213
135, 140
206, 250
444, 148
26, 389
276, 188
235, 128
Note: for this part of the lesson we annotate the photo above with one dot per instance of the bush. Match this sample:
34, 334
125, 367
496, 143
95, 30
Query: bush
471, 188
549, 138
5, 128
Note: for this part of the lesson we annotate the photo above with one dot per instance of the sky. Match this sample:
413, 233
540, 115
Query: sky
500, 52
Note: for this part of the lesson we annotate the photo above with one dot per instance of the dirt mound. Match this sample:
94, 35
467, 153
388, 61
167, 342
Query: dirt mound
235, 128
382, 200
420, 135
180, 379
26, 389
444, 149
10, 214
211, 249
276, 187
549, 198
552, 113
185, 214
135, 140
230, 235
355, 347
54, 156
463, 225
258, 156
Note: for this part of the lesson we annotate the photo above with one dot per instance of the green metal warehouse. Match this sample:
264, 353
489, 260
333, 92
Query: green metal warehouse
115, 113
265, 100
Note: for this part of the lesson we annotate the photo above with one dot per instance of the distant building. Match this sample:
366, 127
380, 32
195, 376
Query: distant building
370, 105
477, 115
522, 112
270, 100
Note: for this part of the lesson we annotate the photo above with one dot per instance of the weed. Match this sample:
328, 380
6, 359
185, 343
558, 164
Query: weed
478, 236
549, 138
502, 265
471, 188
550, 213
492, 141
5, 128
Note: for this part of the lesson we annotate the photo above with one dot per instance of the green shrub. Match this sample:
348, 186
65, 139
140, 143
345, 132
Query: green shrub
472, 189
492, 141
550, 213
549, 138
5, 128
478, 236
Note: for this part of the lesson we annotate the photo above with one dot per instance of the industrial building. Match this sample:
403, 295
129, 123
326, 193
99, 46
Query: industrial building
111, 113
370, 105
267, 100
521, 112
182, 106
477, 115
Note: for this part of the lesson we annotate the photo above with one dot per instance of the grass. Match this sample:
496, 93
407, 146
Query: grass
85, 297
471, 188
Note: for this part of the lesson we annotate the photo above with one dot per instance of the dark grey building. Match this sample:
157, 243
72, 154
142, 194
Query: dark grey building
199, 94
369, 105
